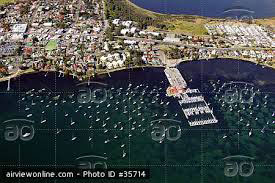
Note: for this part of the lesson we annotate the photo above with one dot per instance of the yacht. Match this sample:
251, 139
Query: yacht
72, 122
29, 115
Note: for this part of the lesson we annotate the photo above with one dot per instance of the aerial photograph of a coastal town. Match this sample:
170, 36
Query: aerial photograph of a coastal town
137, 91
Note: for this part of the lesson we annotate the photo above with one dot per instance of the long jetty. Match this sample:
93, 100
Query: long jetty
193, 104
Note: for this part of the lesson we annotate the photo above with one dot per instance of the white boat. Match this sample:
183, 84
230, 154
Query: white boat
29, 115
72, 122
250, 133
106, 141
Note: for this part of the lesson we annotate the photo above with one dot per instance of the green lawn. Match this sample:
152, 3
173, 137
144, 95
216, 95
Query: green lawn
52, 45
5, 1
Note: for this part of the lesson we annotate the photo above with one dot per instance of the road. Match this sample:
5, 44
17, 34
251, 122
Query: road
191, 46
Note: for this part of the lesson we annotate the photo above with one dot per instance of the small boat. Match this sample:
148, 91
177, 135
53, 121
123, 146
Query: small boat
74, 138
29, 115
250, 133
106, 141
72, 122
43, 121
123, 154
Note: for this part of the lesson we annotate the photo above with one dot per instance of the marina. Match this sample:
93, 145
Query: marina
193, 104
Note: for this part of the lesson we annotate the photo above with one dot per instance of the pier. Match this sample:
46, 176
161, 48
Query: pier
9, 87
193, 104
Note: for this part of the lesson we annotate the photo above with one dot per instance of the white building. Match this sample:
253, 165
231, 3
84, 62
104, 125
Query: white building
171, 40
124, 31
19, 28
116, 21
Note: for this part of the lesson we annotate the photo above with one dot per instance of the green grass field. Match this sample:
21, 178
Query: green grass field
6, 1
52, 45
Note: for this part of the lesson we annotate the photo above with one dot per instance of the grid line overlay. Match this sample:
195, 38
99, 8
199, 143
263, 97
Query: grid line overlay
165, 166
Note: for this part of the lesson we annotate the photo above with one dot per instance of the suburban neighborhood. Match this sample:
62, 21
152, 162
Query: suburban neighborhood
74, 37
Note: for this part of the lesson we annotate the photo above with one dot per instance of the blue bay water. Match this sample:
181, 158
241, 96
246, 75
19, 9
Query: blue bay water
211, 8
135, 102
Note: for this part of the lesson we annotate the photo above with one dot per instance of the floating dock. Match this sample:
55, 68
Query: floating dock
193, 104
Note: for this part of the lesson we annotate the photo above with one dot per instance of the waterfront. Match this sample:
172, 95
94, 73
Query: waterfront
135, 100
212, 8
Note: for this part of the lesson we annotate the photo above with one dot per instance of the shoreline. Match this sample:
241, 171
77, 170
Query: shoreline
32, 71
182, 15
184, 23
